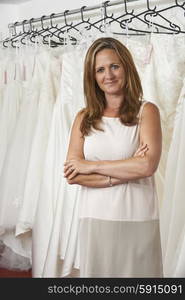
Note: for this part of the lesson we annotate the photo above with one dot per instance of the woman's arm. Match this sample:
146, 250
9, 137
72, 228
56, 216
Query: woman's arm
75, 151
139, 167
101, 181
134, 167
76, 142
95, 180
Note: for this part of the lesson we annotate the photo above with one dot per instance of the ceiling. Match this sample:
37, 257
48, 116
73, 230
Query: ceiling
13, 1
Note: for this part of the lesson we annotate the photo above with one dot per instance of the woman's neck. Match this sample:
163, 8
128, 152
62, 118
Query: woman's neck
113, 103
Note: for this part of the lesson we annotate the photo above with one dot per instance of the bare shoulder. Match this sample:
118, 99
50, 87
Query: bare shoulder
150, 109
79, 117
150, 122
150, 113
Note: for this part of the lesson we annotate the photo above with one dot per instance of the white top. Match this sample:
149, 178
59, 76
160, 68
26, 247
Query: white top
135, 200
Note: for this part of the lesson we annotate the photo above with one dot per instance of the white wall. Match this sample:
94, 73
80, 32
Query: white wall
8, 14
36, 8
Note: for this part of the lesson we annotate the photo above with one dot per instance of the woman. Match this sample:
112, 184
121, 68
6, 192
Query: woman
114, 150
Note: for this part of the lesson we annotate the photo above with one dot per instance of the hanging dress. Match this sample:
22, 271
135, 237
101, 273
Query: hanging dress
57, 198
119, 226
12, 179
173, 206
34, 173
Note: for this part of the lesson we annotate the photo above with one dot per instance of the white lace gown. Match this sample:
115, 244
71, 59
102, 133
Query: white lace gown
34, 174
57, 200
13, 176
9, 113
162, 82
12, 186
173, 206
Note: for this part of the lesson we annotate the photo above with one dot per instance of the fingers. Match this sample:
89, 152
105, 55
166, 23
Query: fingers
144, 146
141, 150
69, 170
68, 166
72, 175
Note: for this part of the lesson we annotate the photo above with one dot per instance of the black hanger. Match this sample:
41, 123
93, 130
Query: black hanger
127, 19
170, 27
106, 18
83, 21
173, 28
17, 37
122, 21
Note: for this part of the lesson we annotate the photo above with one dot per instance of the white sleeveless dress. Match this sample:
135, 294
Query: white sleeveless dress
119, 232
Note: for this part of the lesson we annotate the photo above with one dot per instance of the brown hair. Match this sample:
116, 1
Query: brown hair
94, 96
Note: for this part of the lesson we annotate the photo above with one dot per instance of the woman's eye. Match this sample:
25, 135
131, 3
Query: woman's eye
100, 70
115, 67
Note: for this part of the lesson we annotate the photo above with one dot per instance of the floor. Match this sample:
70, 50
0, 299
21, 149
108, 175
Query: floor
4, 273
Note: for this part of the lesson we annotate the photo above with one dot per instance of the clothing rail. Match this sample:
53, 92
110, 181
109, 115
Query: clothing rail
150, 20
72, 12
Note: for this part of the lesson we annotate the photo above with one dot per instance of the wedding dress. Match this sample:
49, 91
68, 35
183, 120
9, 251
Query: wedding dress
173, 206
34, 174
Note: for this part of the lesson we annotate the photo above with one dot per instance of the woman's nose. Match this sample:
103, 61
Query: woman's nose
109, 74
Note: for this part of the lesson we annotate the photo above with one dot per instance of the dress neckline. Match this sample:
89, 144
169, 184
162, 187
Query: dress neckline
110, 117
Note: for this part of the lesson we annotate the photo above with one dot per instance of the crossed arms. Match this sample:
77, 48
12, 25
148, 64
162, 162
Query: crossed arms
144, 163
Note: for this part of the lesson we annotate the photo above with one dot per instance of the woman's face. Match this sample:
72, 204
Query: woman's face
109, 72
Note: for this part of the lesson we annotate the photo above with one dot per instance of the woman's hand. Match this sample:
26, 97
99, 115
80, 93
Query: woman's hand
77, 166
141, 150
80, 166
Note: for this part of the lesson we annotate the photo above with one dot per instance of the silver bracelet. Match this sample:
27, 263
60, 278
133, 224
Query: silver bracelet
110, 181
